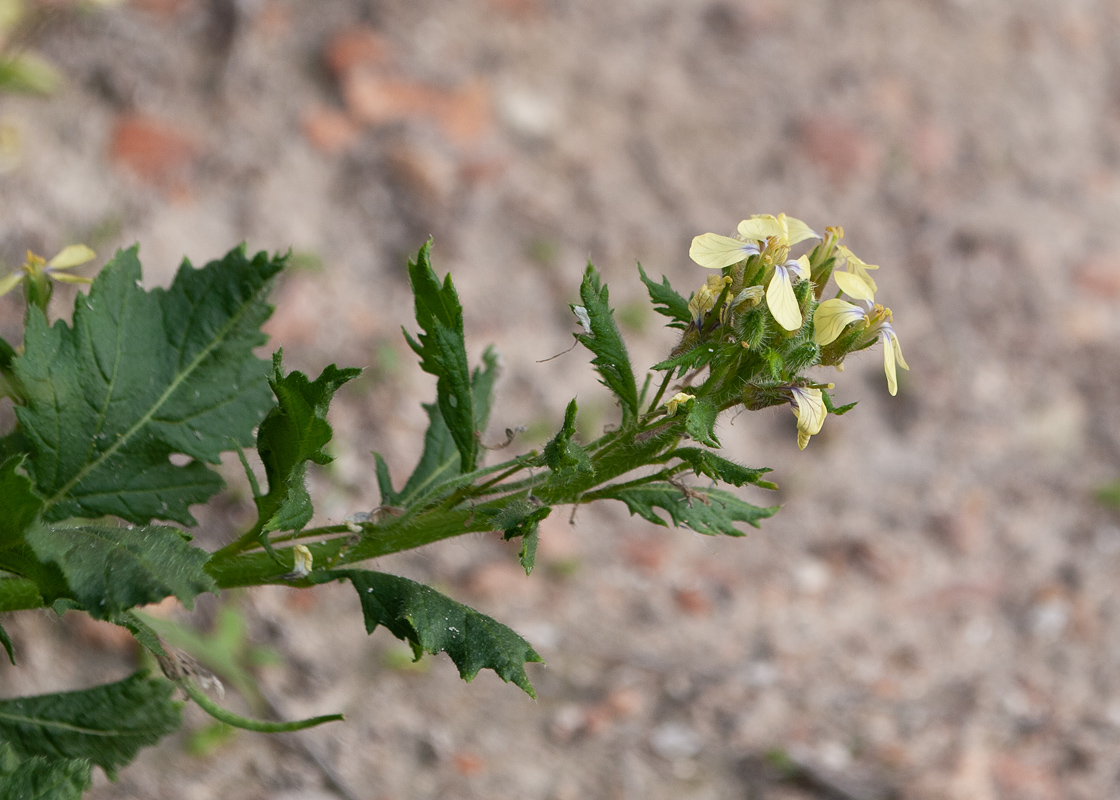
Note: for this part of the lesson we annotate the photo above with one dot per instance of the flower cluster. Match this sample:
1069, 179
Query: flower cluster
800, 329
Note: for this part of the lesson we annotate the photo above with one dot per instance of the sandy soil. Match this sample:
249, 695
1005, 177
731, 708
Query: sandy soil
932, 614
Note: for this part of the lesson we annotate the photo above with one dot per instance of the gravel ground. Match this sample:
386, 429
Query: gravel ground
931, 615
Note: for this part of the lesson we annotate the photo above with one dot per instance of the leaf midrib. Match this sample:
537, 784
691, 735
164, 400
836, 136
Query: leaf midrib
124, 438
23, 719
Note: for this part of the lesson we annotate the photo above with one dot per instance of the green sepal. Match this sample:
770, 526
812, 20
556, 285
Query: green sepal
696, 356
711, 511
801, 357
611, 360
705, 462
528, 554
18, 503
40, 778
443, 353
107, 724
110, 570
701, 421
431, 623
667, 301
837, 410
293, 433
139, 376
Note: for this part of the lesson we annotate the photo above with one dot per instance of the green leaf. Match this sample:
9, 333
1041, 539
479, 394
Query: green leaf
561, 454
6, 641
140, 376
18, 504
701, 421
110, 570
141, 631
611, 361
521, 518
443, 353
433, 623
440, 460
41, 778
712, 511
705, 462
106, 724
389, 496
294, 432
7, 355
49, 581
667, 301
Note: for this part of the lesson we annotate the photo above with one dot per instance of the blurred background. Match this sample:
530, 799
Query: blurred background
931, 615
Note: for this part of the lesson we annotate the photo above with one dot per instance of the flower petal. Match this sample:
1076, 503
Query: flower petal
63, 277
832, 317
856, 263
888, 365
797, 231
72, 256
799, 267
857, 286
782, 302
712, 251
10, 282
810, 410
761, 227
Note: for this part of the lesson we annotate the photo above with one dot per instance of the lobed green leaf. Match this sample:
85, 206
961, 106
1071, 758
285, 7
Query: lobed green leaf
433, 623
106, 725
443, 353
141, 376
41, 778
293, 433
440, 460
611, 360
712, 511
705, 462
110, 570
18, 503
701, 421
667, 301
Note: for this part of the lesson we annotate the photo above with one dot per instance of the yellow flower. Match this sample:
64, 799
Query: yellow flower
712, 251
809, 408
302, 560
780, 298
856, 281
833, 316
677, 400
38, 269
